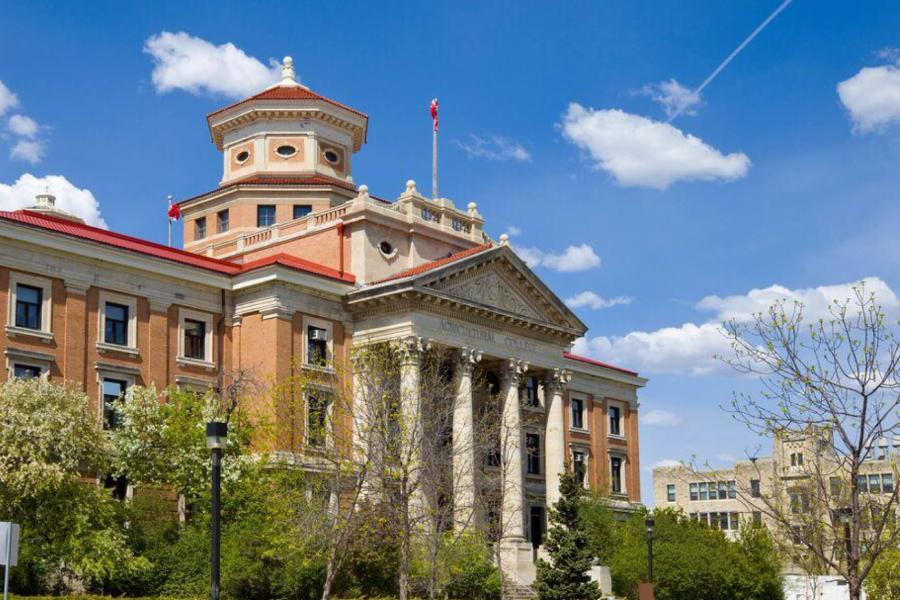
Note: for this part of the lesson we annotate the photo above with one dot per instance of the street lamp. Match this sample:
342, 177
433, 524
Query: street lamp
216, 434
649, 523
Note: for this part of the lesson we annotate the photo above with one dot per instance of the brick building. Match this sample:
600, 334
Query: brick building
289, 262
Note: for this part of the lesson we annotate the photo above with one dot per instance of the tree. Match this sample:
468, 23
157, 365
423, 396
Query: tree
836, 379
566, 577
50, 449
883, 582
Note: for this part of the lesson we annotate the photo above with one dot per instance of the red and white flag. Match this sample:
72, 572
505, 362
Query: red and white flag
174, 212
434, 112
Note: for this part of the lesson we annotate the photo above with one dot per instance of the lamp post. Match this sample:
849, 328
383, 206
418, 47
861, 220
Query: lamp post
216, 434
649, 523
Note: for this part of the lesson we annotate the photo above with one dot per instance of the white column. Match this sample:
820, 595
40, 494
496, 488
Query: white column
511, 453
366, 448
555, 437
411, 426
464, 440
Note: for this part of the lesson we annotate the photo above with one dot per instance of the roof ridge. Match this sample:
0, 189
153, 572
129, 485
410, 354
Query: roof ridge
298, 92
429, 266
592, 361
260, 179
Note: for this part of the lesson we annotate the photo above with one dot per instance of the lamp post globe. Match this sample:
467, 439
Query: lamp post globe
216, 436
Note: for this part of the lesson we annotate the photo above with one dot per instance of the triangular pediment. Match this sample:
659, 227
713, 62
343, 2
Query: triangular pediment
498, 279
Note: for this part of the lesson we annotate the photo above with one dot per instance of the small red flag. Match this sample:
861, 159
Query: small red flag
174, 212
434, 112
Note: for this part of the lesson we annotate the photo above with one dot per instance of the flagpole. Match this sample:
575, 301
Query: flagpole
169, 219
434, 191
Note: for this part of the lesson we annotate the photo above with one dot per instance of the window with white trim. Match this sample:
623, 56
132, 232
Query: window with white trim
117, 320
30, 300
577, 406
195, 337
317, 346
318, 408
616, 479
615, 420
580, 466
533, 453
26, 371
112, 391
670, 492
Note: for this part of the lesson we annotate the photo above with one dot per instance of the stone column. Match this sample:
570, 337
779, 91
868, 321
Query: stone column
555, 437
365, 451
411, 426
464, 450
515, 552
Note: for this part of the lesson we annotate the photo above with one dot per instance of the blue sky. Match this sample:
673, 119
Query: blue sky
785, 182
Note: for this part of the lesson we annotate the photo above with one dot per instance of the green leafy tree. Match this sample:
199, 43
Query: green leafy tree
50, 448
566, 577
883, 582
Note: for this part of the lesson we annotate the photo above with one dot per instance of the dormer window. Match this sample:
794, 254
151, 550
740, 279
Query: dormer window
242, 157
286, 151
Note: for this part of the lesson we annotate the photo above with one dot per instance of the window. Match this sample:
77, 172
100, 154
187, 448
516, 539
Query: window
265, 215
887, 483
757, 518
286, 151
615, 417
874, 484
194, 339
577, 413
332, 157
242, 156
615, 468
533, 453
732, 489
113, 391
222, 221
799, 502
530, 392
754, 488
703, 492
29, 302
117, 486
316, 346
723, 491
579, 466
835, 486
537, 526
200, 228
116, 324
670, 492
301, 210
797, 459
695, 494
21, 371
317, 404
735, 521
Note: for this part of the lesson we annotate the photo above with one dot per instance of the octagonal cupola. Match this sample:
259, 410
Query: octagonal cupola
287, 130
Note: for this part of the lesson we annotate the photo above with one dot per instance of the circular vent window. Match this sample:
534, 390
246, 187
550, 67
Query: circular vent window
286, 151
332, 157
386, 248
242, 156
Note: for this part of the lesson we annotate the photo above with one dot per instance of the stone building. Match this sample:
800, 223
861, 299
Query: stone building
289, 262
748, 491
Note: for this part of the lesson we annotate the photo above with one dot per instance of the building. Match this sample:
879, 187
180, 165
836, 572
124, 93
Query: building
750, 490
289, 262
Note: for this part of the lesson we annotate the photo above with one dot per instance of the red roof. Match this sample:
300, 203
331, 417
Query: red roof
288, 93
591, 361
147, 248
423, 268
300, 264
257, 180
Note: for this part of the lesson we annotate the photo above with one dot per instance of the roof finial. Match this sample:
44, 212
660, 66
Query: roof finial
287, 70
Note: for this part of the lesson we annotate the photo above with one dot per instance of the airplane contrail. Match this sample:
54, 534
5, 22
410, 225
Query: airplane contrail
731, 56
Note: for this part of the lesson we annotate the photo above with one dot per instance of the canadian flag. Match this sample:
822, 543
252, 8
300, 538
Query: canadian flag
174, 212
434, 112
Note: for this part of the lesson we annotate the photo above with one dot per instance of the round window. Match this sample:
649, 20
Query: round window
242, 156
286, 151
332, 157
386, 247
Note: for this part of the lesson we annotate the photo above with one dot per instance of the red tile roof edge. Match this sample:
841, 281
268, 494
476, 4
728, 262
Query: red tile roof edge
598, 363
429, 266
293, 262
271, 94
253, 180
133, 244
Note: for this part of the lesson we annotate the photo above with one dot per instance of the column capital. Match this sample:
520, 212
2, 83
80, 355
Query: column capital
556, 380
513, 371
411, 349
467, 358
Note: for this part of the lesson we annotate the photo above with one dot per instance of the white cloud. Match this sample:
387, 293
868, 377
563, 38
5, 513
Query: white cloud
872, 97
689, 349
23, 126
638, 151
512, 230
184, 62
494, 147
80, 202
574, 258
30, 151
673, 97
660, 418
667, 462
8, 100
595, 301
725, 457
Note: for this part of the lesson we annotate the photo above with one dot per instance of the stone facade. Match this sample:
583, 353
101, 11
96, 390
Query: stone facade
287, 258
